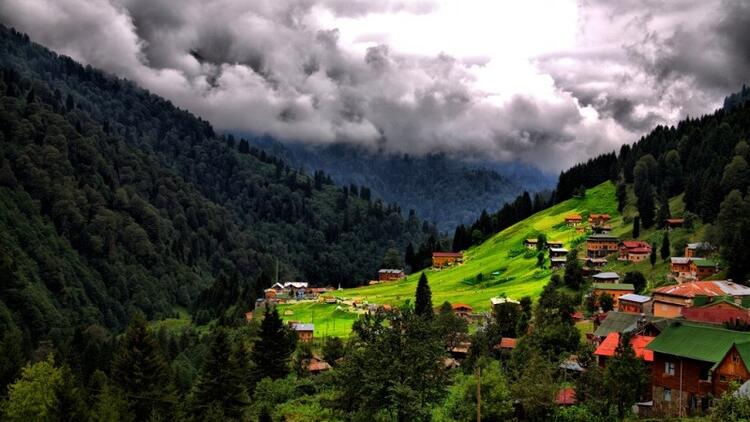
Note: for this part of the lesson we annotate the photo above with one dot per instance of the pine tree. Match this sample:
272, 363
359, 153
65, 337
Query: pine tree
409, 256
274, 347
625, 377
141, 373
665, 246
636, 227
646, 207
573, 276
652, 257
664, 213
221, 384
423, 299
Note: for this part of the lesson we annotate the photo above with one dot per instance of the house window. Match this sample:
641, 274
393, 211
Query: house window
667, 394
669, 368
735, 358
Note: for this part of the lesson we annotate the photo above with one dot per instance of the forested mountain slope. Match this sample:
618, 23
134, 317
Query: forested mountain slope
112, 200
441, 188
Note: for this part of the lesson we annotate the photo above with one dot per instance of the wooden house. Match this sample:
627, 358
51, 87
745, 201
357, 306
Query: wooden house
601, 245
670, 300
703, 268
693, 364
573, 220
558, 252
506, 344
606, 277
633, 303
720, 312
634, 251
305, 332
444, 259
616, 290
557, 262
315, 365
679, 266
462, 310
390, 274
566, 397
530, 243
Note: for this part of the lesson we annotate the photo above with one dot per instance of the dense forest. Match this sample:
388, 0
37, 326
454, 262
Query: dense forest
443, 189
114, 201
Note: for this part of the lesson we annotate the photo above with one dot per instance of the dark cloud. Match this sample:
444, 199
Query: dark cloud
271, 66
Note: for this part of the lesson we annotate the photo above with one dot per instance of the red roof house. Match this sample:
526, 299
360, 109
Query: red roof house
608, 346
719, 312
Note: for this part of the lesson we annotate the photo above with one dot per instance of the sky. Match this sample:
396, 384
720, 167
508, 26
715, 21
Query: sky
548, 83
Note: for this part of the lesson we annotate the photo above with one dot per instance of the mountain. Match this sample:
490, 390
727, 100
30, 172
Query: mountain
442, 189
113, 201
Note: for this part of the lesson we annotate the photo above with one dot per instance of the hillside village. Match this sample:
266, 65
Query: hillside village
671, 327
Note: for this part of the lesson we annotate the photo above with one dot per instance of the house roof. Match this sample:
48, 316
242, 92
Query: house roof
604, 237
704, 288
640, 251
508, 343
390, 271
699, 245
613, 286
609, 345
607, 276
707, 344
566, 396
558, 259
714, 315
531, 241
554, 242
599, 216
457, 306
623, 322
675, 220
303, 327
573, 217
632, 297
680, 260
558, 250
501, 300
448, 254
703, 263
630, 244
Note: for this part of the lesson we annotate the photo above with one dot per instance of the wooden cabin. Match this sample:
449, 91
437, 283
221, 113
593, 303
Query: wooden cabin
670, 300
634, 251
636, 304
703, 268
390, 274
616, 290
444, 259
601, 245
674, 223
530, 243
573, 220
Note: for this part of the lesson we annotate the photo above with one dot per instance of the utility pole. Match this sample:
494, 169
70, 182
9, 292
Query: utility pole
479, 393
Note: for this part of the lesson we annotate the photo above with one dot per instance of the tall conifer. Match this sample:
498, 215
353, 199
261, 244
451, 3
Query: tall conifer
423, 299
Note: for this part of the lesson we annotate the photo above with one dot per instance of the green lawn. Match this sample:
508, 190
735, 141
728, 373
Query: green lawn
328, 321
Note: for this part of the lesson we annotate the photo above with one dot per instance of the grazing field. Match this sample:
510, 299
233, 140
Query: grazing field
329, 321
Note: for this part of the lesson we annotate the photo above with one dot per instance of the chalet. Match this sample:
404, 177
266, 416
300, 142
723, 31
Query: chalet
599, 219
606, 277
601, 245
498, 301
720, 311
613, 289
530, 243
554, 244
316, 365
462, 310
558, 252
633, 303
573, 220
270, 293
698, 249
694, 363
703, 268
674, 223
602, 229
390, 274
330, 300
443, 259
460, 350
679, 266
607, 347
305, 332
670, 300
595, 262
557, 262
634, 251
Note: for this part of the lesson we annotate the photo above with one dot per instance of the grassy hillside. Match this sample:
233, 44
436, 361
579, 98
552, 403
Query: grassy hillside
506, 267
502, 260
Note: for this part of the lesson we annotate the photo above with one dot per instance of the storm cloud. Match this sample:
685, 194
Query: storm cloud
325, 71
